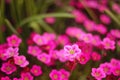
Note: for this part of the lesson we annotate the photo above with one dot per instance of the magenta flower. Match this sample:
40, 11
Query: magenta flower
87, 37
83, 58
26, 76
71, 52
98, 73
60, 55
45, 58
95, 56
11, 52
101, 29
107, 68
108, 44
21, 61
63, 40
116, 70
14, 41
5, 78
115, 33
39, 40
17, 79
64, 75
8, 68
55, 75
36, 70
34, 50
105, 19
114, 62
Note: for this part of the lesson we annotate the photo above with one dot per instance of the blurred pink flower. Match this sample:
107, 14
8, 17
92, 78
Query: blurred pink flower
8, 68
116, 8
95, 56
11, 52
101, 29
71, 51
55, 75
5, 78
36, 70
64, 75
34, 50
115, 33
21, 61
45, 58
107, 68
116, 70
26, 76
98, 73
13, 41
105, 19
108, 44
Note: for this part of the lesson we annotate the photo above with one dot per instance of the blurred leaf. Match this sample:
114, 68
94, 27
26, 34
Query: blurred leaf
42, 16
35, 26
9, 25
113, 16
46, 27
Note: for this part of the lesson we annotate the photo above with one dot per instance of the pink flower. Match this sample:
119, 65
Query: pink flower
49, 36
116, 8
14, 41
89, 25
60, 55
83, 58
8, 68
95, 56
114, 62
87, 38
63, 40
108, 44
64, 75
53, 54
34, 50
5, 78
105, 19
36, 70
3, 56
107, 68
101, 29
11, 52
50, 20
21, 61
71, 51
116, 71
115, 33
26, 76
39, 40
17, 79
98, 73
96, 40
45, 58
79, 16
54, 75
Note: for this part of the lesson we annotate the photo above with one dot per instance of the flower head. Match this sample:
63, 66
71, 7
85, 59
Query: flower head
5, 78
14, 41
98, 73
21, 61
64, 74
54, 75
26, 76
36, 70
8, 68
71, 52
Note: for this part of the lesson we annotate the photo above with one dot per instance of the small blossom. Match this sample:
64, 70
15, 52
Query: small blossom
45, 58
11, 52
83, 58
50, 20
105, 19
71, 52
116, 70
36, 70
64, 74
107, 68
95, 56
14, 41
26, 76
108, 44
8, 68
54, 75
98, 73
21, 61
34, 50
5, 78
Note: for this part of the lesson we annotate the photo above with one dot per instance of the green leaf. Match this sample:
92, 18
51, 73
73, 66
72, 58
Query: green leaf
42, 16
9, 25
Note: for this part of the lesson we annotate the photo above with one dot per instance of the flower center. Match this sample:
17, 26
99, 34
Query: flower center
55, 76
71, 51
